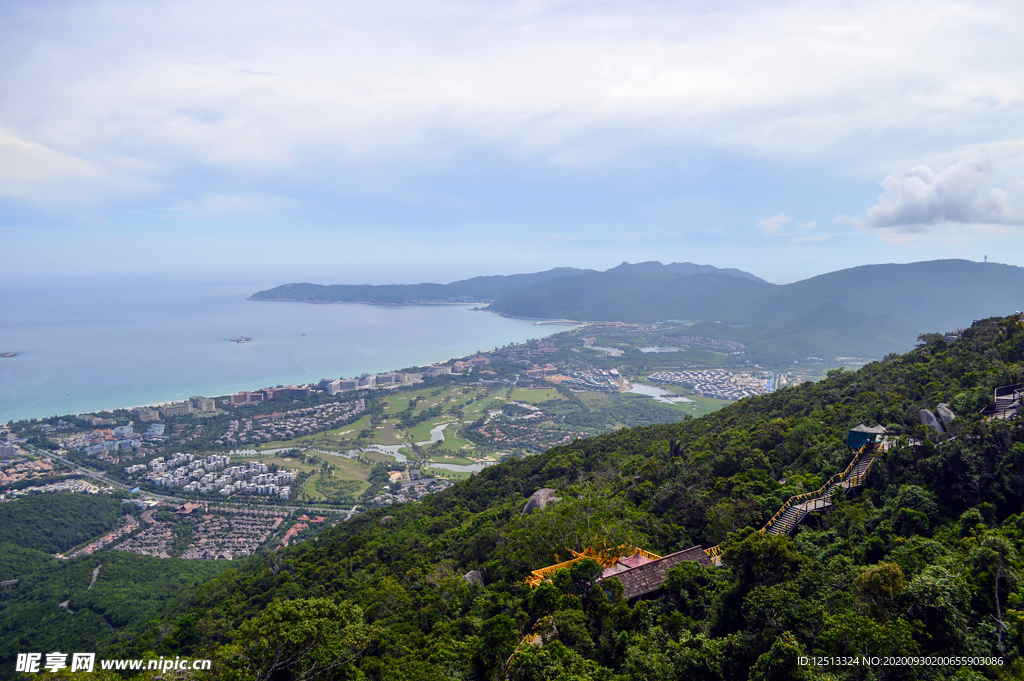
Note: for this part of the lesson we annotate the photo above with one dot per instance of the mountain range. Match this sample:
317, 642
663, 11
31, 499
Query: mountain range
866, 311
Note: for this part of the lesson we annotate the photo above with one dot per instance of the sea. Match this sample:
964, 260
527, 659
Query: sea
84, 346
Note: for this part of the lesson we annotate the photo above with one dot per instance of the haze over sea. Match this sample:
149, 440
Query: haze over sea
88, 346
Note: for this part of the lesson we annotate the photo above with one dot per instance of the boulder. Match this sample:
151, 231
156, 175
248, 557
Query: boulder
539, 500
945, 413
386, 519
474, 577
928, 419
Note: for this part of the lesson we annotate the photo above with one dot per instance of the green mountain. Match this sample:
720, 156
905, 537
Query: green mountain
635, 296
681, 269
923, 560
938, 294
863, 311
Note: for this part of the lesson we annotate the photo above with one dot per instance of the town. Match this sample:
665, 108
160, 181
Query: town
722, 384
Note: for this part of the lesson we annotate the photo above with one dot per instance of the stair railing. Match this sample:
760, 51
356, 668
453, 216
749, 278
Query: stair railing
855, 481
831, 482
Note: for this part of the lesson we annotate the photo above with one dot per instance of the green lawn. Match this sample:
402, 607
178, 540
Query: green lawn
460, 460
388, 435
349, 469
453, 443
348, 432
396, 404
449, 475
379, 457
347, 477
309, 488
701, 405
482, 405
421, 432
535, 395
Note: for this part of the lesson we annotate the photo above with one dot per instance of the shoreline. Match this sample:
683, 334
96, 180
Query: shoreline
538, 321
250, 387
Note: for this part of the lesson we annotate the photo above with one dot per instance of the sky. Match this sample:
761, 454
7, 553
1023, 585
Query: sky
374, 142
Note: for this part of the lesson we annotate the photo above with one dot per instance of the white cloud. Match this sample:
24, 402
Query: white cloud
56, 179
255, 87
25, 162
772, 225
960, 193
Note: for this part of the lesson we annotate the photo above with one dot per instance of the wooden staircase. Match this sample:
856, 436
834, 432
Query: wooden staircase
797, 507
791, 517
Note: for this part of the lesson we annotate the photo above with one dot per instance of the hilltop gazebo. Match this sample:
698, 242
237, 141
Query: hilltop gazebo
862, 435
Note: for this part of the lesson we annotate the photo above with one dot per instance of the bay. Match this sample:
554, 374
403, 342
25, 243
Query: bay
86, 346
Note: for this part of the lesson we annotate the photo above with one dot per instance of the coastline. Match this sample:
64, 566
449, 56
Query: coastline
81, 401
538, 321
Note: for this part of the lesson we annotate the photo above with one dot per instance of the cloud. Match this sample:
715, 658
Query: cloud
961, 193
187, 82
772, 225
58, 179
23, 161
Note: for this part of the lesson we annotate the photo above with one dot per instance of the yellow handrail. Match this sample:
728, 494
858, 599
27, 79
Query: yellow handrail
831, 482
836, 479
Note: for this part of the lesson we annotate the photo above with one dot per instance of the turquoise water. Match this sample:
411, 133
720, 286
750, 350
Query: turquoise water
84, 346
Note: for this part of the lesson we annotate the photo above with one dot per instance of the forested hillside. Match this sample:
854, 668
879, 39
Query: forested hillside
925, 560
57, 522
115, 603
865, 311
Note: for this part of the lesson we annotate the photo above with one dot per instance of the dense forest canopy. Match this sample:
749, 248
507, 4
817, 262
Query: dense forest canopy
57, 522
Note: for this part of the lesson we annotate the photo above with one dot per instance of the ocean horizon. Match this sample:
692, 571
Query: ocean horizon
85, 346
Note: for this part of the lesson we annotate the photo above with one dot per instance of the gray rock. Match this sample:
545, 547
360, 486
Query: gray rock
539, 500
928, 419
386, 519
945, 413
474, 577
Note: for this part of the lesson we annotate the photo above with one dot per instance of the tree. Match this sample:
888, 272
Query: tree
782, 661
498, 636
878, 586
761, 558
301, 639
993, 567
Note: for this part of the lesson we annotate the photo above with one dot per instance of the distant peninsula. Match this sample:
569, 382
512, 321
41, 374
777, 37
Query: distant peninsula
475, 290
